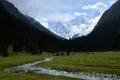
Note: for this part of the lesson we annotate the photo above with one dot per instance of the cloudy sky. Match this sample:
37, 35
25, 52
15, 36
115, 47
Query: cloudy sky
65, 11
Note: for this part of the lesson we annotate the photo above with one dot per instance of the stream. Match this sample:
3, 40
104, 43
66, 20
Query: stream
56, 72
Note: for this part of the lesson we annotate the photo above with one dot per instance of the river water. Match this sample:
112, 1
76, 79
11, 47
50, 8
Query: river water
56, 72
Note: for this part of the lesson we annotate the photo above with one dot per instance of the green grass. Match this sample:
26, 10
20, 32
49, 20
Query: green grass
21, 59
102, 62
30, 76
13, 60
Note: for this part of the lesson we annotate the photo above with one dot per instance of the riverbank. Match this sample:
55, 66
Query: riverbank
14, 60
92, 62
31, 67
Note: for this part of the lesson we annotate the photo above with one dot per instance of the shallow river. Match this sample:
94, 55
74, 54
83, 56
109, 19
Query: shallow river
31, 67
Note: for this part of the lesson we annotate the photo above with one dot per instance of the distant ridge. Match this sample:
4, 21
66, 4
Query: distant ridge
106, 34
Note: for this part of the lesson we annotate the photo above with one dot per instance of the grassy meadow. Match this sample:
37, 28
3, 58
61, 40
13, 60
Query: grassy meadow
101, 62
12, 60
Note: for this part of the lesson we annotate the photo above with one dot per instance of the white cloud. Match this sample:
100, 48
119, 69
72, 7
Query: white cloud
112, 1
45, 24
79, 14
59, 17
99, 7
90, 20
43, 21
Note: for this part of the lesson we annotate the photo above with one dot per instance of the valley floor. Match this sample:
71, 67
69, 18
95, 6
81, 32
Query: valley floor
93, 62
21, 59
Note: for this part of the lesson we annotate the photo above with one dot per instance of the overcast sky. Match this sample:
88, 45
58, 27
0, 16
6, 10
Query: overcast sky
64, 11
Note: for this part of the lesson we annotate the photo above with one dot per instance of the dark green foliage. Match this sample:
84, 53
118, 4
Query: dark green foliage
19, 31
68, 53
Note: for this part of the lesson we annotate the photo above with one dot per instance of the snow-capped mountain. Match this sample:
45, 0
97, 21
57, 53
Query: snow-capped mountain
78, 25
59, 28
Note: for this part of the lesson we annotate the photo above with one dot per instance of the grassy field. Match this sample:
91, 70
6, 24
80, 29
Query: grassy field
102, 62
20, 59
